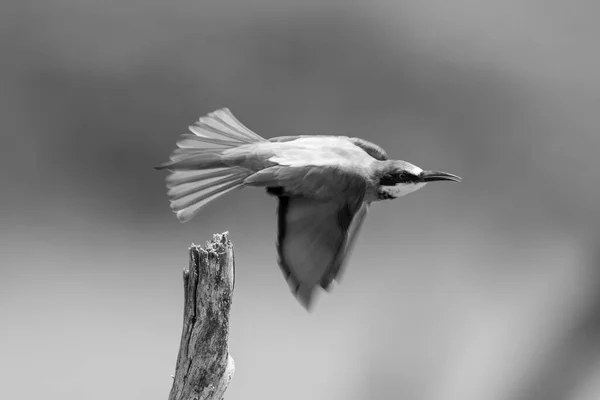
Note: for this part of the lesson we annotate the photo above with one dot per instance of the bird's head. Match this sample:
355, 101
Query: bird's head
397, 178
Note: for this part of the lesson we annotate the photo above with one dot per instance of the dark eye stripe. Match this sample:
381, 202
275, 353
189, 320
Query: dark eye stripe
392, 179
389, 180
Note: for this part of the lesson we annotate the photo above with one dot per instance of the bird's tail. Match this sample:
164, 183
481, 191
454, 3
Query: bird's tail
197, 174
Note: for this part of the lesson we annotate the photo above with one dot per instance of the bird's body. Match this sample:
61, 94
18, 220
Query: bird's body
319, 167
325, 185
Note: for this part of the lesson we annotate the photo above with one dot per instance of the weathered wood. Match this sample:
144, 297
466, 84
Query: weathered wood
204, 366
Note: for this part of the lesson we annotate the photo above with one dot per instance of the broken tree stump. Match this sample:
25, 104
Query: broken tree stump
204, 366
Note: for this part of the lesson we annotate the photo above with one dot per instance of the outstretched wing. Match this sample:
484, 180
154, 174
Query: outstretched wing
314, 240
321, 207
357, 221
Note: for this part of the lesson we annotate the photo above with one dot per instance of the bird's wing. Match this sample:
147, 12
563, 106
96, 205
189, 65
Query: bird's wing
314, 239
370, 148
321, 208
357, 221
287, 138
315, 182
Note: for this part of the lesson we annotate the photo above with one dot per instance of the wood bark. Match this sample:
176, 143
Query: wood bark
204, 367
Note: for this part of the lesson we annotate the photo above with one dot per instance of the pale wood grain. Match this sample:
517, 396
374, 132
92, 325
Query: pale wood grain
204, 366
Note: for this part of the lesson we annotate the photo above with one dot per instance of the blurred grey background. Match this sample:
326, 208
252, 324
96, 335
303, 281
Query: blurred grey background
488, 289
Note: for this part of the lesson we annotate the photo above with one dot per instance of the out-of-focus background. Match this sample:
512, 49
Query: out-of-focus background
488, 289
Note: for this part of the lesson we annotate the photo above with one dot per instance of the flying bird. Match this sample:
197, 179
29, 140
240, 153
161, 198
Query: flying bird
325, 185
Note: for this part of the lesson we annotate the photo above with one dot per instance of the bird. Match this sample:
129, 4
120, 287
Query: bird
324, 184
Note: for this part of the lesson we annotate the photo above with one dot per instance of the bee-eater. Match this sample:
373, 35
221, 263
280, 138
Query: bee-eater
325, 185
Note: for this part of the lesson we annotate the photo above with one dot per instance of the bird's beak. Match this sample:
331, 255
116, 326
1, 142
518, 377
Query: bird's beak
431, 176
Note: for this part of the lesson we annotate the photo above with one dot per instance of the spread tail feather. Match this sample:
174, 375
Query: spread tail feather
197, 173
211, 135
189, 191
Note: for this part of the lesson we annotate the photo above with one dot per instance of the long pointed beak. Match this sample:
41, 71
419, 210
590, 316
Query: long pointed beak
432, 176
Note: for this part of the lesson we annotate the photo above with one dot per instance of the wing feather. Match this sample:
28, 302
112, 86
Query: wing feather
336, 272
370, 148
313, 241
319, 183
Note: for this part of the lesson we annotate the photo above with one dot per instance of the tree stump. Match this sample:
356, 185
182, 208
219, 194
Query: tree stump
204, 366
